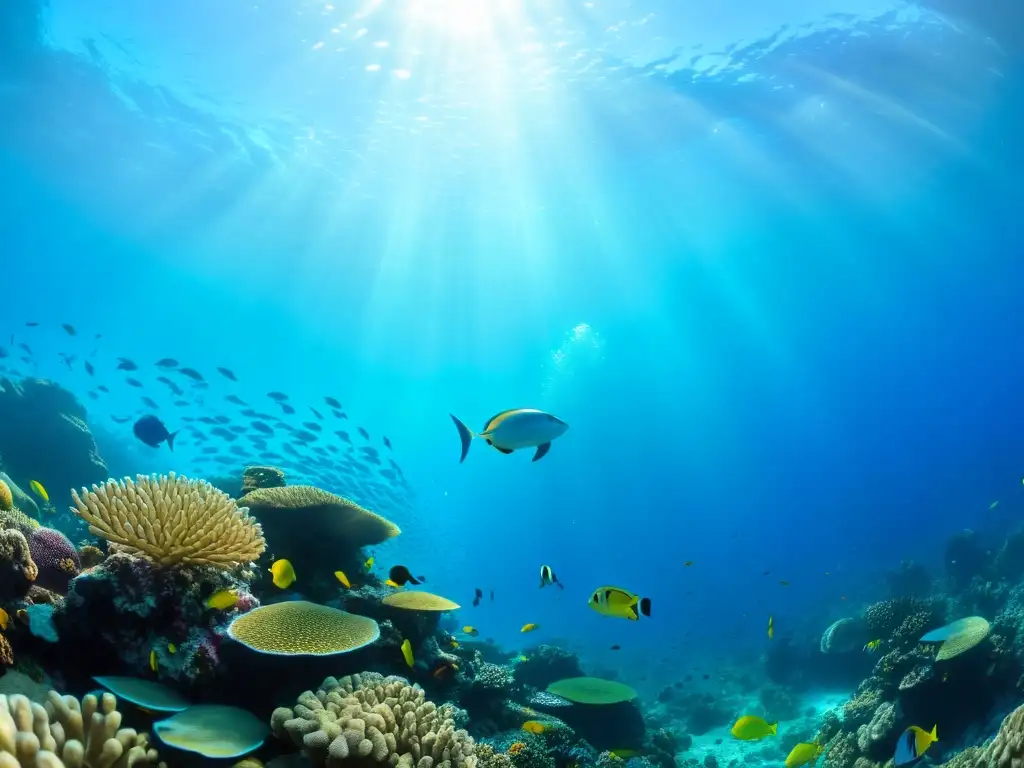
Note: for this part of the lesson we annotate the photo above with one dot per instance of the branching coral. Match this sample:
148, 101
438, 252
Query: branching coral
371, 720
69, 734
171, 520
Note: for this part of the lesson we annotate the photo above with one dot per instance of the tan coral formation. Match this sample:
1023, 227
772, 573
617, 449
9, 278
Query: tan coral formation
1006, 750
67, 733
371, 720
171, 520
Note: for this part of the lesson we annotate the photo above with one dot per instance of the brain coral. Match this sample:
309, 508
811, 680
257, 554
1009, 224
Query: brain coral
6, 497
171, 520
56, 558
369, 719
67, 733
300, 628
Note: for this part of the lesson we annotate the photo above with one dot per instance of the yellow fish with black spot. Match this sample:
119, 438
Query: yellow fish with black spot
620, 603
803, 753
284, 574
471, 631
514, 429
753, 728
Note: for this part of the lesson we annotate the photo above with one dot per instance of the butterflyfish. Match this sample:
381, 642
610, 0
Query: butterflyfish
753, 728
407, 652
284, 574
152, 660
340, 576
471, 631
803, 753
913, 743
535, 727
547, 576
38, 490
620, 603
222, 600
401, 576
529, 627
514, 429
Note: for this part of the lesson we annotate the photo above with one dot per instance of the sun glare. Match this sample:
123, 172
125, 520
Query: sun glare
463, 19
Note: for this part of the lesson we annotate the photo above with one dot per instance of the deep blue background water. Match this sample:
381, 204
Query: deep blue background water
765, 263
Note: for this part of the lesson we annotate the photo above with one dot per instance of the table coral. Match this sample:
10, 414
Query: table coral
369, 718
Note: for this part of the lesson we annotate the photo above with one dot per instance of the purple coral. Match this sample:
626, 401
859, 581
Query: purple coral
56, 558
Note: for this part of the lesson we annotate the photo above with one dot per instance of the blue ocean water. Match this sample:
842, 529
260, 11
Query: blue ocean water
765, 263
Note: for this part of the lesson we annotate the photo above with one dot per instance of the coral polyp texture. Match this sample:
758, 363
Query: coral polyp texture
417, 600
67, 733
171, 520
369, 719
301, 628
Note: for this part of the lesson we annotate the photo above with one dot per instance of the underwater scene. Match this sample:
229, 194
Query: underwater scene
511, 384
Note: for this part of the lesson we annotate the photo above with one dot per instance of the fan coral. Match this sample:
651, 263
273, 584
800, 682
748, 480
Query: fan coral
172, 520
6, 497
374, 719
69, 734
55, 557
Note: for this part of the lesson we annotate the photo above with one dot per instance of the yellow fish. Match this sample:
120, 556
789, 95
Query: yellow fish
369, 563
514, 429
172, 648
152, 660
454, 643
532, 726
625, 754
620, 603
407, 652
471, 631
771, 627
752, 728
803, 753
340, 576
529, 627
284, 574
222, 600
913, 743
872, 646
38, 490
4, 619
392, 584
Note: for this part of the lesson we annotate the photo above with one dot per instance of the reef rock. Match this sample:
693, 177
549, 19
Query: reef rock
44, 436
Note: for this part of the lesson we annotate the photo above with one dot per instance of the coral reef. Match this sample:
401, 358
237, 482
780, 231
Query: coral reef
17, 569
55, 557
171, 520
45, 435
374, 719
544, 664
69, 733
261, 477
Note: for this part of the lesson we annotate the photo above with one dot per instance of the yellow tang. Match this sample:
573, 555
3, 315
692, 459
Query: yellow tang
752, 728
152, 660
533, 726
4, 619
392, 584
38, 489
284, 574
223, 599
340, 576
529, 627
407, 652
620, 603
803, 753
